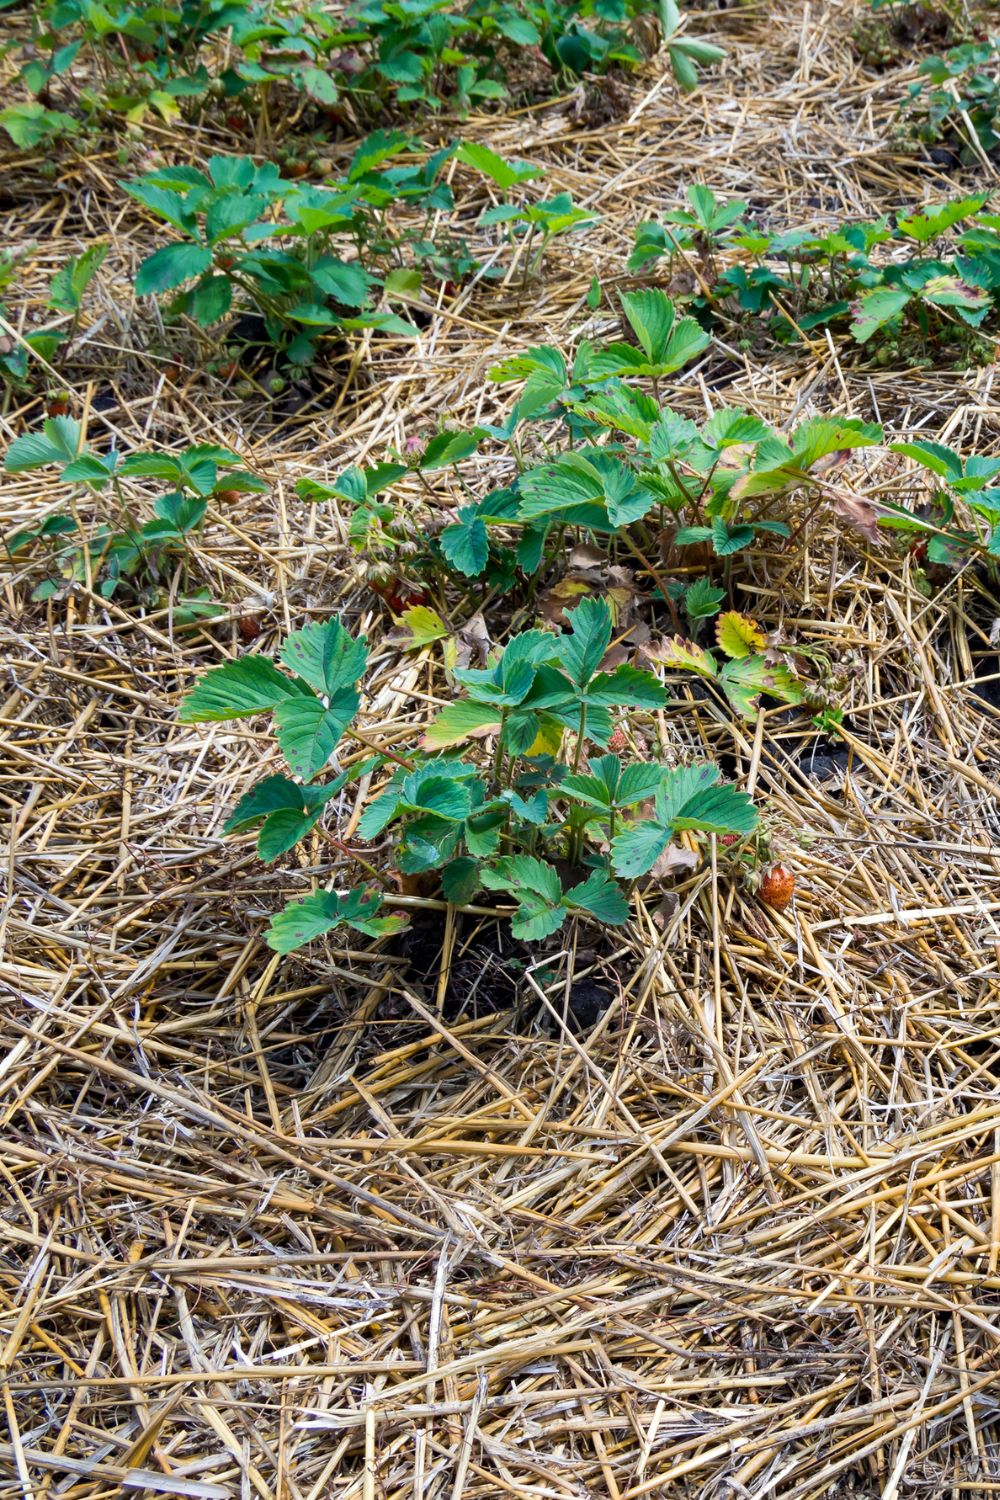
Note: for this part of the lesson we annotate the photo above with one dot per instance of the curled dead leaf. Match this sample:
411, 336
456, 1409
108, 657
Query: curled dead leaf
860, 513
672, 861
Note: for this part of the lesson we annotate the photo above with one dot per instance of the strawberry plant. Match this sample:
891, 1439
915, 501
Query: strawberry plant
141, 58
66, 292
705, 227
942, 285
130, 558
559, 835
462, 51
957, 91
621, 471
233, 245
247, 235
957, 484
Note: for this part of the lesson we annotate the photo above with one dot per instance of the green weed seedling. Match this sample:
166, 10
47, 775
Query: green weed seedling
129, 560
531, 816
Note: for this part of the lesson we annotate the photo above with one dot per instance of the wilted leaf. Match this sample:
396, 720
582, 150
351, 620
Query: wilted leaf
687, 656
862, 514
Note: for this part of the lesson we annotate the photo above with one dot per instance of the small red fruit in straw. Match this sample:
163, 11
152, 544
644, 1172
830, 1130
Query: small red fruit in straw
777, 886
618, 741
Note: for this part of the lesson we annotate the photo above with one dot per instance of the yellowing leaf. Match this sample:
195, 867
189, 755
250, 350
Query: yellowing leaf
461, 721
563, 596
738, 635
425, 625
675, 651
548, 739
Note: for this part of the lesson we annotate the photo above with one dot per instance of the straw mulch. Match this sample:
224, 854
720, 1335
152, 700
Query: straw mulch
278, 1228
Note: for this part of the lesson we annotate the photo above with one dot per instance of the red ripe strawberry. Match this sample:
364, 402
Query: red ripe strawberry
398, 595
249, 627
777, 886
729, 839
57, 406
618, 741
229, 497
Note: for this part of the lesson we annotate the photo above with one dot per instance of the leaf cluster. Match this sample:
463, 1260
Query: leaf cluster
558, 837
130, 553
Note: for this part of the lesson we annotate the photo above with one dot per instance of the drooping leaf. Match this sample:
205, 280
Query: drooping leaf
301, 921
745, 679
940, 459
875, 309
170, 266
536, 885
682, 655
460, 880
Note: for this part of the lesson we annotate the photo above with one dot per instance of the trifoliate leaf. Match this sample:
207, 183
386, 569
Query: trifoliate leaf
301, 921
702, 599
